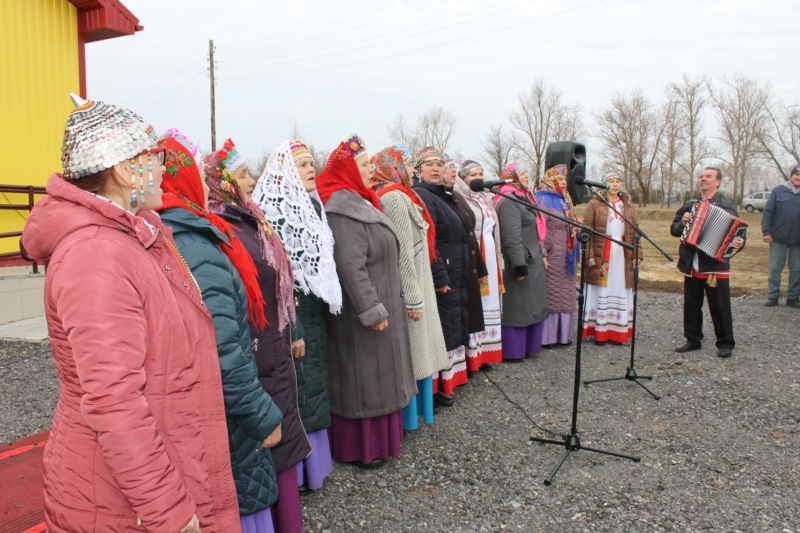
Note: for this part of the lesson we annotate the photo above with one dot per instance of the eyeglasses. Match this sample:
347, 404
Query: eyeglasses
159, 151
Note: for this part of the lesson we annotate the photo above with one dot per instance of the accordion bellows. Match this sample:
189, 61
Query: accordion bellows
712, 230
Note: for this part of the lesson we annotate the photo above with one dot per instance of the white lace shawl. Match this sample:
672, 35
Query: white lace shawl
307, 238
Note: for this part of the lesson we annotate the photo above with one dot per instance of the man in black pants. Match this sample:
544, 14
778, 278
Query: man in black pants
705, 276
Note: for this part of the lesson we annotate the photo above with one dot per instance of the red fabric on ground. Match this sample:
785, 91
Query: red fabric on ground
21, 485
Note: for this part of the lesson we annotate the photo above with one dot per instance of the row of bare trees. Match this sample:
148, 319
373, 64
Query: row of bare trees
735, 123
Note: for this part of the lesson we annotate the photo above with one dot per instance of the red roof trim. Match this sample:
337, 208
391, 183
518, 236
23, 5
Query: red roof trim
105, 19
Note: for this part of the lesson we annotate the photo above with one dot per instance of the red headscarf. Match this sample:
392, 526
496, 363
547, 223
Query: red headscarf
342, 174
183, 188
391, 175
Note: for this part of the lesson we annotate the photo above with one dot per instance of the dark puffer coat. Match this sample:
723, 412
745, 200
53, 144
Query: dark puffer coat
313, 389
272, 349
251, 414
451, 267
477, 266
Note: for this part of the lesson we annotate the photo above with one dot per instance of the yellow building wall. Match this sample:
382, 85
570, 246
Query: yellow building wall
38, 69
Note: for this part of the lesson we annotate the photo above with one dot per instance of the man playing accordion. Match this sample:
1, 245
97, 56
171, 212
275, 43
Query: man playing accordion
706, 276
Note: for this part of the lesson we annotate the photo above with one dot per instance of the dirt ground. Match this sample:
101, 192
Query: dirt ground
749, 269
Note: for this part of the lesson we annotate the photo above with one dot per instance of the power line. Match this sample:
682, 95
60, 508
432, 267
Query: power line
417, 49
162, 84
383, 36
333, 32
176, 89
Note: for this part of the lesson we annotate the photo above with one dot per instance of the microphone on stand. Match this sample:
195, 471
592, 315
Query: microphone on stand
588, 183
477, 185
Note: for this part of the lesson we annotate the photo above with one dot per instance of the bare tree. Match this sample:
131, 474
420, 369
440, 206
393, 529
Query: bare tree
401, 131
568, 124
435, 127
780, 139
741, 105
535, 119
498, 148
671, 148
631, 132
691, 98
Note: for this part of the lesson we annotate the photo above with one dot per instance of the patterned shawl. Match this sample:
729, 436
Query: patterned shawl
308, 240
559, 200
511, 172
224, 190
391, 175
183, 188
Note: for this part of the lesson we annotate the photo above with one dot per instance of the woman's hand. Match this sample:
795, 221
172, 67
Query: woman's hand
382, 326
298, 348
591, 262
444, 289
414, 315
193, 526
273, 439
546, 263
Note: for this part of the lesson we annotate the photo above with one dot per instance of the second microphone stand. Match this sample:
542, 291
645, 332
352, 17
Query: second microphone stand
630, 373
571, 442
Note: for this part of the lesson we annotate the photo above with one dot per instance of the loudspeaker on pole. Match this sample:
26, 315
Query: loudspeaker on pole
573, 155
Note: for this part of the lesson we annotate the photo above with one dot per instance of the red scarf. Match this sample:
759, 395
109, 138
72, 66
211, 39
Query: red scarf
342, 173
183, 189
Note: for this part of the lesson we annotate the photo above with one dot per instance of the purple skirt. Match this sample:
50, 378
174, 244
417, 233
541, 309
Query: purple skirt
261, 522
319, 464
517, 342
286, 513
558, 328
366, 439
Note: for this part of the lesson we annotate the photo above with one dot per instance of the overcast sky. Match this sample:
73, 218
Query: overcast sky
340, 67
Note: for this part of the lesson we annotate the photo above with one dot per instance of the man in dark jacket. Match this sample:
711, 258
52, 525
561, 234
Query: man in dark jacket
705, 276
780, 225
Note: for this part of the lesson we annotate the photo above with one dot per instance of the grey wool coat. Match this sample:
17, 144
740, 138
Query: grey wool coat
371, 372
428, 351
525, 301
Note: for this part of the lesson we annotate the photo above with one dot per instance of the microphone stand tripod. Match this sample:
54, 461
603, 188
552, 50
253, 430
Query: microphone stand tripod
630, 373
571, 441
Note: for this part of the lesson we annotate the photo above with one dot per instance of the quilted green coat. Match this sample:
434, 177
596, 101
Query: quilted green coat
250, 412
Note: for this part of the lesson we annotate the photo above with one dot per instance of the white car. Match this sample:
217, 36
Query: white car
755, 202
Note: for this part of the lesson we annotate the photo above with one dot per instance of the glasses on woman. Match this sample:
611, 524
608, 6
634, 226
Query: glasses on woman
160, 153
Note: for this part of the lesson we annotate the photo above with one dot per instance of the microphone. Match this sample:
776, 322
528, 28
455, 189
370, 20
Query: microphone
477, 185
588, 183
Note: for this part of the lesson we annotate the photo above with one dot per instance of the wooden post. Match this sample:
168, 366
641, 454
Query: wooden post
213, 100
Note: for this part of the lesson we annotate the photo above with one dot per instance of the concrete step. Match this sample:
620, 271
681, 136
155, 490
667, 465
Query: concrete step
21, 294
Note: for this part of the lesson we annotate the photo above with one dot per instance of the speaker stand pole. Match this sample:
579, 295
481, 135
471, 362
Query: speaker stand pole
571, 442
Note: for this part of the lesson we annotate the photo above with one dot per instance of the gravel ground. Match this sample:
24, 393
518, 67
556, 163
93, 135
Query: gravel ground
720, 451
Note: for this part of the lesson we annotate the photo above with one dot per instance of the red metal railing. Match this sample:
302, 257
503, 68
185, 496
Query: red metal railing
31, 191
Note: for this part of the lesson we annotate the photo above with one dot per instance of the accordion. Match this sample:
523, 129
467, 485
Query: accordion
712, 230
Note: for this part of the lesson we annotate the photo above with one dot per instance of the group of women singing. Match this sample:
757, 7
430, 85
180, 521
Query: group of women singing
220, 339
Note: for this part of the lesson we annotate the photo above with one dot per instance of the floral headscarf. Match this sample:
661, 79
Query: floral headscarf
559, 200
391, 175
225, 190
342, 173
511, 172
183, 188
308, 240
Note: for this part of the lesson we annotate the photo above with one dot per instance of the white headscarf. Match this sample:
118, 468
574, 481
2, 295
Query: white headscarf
306, 236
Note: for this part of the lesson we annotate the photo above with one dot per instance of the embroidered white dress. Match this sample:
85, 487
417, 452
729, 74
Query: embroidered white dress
490, 349
608, 315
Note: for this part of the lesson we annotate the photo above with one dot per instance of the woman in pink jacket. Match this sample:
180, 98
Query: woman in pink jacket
139, 439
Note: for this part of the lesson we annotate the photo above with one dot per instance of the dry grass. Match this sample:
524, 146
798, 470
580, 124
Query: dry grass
749, 268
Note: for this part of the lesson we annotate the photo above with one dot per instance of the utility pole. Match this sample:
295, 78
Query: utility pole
213, 100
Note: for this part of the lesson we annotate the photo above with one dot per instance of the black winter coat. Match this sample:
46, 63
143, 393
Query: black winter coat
477, 266
451, 267
706, 263
272, 349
